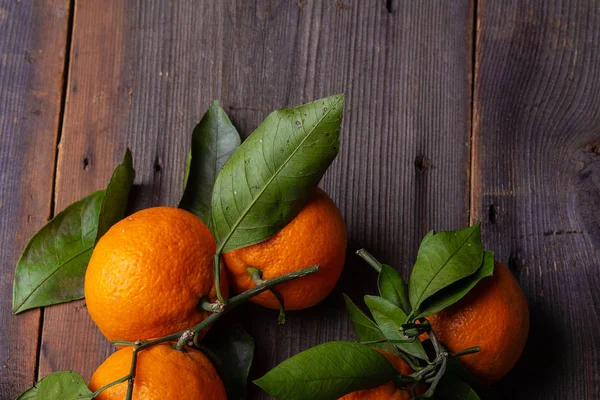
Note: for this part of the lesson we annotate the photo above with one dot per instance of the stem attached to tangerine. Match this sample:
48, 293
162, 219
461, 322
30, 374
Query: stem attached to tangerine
189, 333
464, 352
256, 275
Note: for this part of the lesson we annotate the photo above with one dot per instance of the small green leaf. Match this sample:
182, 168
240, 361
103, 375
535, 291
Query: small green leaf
269, 178
389, 318
365, 329
115, 199
456, 371
60, 385
232, 352
453, 293
444, 258
214, 140
392, 287
327, 371
453, 388
51, 269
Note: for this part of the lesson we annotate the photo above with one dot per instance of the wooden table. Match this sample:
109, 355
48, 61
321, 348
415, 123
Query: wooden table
457, 111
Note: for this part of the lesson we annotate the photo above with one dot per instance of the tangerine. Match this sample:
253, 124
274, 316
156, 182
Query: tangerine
388, 390
148, 274
494, 316
162, 373
317, 235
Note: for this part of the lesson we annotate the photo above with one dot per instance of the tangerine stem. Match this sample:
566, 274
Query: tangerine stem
464, 352
186, 337
231, 304
368, 257
393, 341
256, 275
122, 343
206, 305
410, 360
132, 373
103, 388
403, 380
436, 345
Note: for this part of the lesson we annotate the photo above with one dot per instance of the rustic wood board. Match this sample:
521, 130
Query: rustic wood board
144, 75
536, 181
33, 39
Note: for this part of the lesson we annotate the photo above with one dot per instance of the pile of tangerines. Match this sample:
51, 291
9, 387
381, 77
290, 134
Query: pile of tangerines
158, 279
148, 273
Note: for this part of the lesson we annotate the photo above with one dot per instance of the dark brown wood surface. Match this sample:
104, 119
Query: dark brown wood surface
536, 181
141, 74
32, 59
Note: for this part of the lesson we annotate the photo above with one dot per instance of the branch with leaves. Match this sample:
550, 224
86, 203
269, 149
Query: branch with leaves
449, 264
244, 192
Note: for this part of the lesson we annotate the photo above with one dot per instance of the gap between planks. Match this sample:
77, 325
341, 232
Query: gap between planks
61, 117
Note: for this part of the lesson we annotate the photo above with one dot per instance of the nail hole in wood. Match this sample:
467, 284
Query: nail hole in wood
492, 214
157, 164
422, 164
515, 263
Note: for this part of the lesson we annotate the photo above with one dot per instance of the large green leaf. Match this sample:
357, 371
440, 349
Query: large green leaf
327, 371
365, 329
52, 266
269, 178
231, 350
51, 269
392, 287
214, 139
389, 318
60, 385
453, 293
444, 258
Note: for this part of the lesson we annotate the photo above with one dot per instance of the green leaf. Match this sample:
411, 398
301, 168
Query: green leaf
60, 385
389, 318
456, 371
365, 329
443, 259
52, 266
51, 269
269, 178
453, 293
392, 287
231, 351
453, 388
327, 371
115, 199
214, 140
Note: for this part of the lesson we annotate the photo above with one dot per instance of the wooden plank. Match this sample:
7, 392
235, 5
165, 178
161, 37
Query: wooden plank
536, 181
143, 78
125, 90
140, 77
33, 37
403, 163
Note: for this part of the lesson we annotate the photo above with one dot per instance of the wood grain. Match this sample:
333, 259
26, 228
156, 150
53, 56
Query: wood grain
404, 149
135, 81
33, 39
143, 74
536, 181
